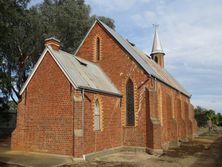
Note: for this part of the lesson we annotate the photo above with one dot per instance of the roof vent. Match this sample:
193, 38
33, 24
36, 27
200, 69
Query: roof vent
53, 42
132, 44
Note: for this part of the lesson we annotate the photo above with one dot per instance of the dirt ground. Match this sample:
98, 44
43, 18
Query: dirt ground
203, 151
7, 165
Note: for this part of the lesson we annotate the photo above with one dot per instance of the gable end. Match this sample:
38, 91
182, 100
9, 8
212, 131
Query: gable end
47, 50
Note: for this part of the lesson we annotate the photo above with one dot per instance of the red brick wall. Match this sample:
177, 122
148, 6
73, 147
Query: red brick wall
110, 135
45, 114
119, 67
175, 126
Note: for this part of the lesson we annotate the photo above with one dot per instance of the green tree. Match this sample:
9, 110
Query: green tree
4, 107
67, 20
15, 53
200, 116
210, 114
23, 30
219, 116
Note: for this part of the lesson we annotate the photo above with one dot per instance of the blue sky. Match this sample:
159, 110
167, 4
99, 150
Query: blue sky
191, 36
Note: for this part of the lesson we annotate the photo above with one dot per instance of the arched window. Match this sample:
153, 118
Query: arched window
130, 118
97, 49
156, 59
97, 115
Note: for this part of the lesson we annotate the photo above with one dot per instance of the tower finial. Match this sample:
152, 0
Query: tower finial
155, 26
157, 48
157, 53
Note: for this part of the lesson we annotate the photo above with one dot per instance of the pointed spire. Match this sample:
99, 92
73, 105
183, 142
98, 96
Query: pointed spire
157, 48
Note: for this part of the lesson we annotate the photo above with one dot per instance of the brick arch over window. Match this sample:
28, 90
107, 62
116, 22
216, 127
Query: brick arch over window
130, 115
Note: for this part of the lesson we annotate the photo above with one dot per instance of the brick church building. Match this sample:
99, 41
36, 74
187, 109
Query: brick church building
108, 96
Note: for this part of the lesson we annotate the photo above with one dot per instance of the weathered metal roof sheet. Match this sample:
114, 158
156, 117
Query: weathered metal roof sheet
147, 64
84, 74
163, 73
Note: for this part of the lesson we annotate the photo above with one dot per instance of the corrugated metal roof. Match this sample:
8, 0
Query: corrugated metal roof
163, 73
147, 64
84, 74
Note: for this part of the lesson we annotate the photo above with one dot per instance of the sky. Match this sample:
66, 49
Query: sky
191, 35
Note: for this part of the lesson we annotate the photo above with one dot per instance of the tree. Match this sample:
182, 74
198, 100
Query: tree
200, 116
23, 30
67, 20
219, 118
15, 28
108, 21
4, 107
20, 45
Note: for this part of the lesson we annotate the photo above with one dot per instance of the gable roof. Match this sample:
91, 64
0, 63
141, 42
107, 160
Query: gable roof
142, 59
82, 74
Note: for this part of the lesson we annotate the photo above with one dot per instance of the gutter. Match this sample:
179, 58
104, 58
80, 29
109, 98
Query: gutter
100, 91
184, 93
157, 79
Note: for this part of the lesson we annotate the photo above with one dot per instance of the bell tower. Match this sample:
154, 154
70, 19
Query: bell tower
157, 53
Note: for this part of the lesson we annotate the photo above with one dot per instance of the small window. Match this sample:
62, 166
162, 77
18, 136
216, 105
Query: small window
156, 59
97, 115
130, 117
97, 49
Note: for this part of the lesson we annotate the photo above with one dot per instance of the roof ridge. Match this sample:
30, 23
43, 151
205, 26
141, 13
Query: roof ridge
81, 77
138, 58
150, 71
162, 69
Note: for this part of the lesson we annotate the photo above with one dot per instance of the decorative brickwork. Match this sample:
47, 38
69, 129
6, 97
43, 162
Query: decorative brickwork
97, 50
96, 97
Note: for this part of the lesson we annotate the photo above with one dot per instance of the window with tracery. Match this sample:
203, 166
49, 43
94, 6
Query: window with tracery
130, 117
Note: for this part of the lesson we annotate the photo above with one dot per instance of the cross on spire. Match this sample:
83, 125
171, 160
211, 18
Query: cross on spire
155, 26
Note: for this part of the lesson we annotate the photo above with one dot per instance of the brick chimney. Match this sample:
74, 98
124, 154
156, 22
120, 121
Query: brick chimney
53, 42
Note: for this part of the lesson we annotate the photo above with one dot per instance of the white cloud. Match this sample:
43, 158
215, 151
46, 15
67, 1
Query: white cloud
191, 36
115, 5
145, 19
209, 101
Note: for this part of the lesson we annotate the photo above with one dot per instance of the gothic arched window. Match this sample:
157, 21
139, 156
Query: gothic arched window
97, 115
97, 49
130, 117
